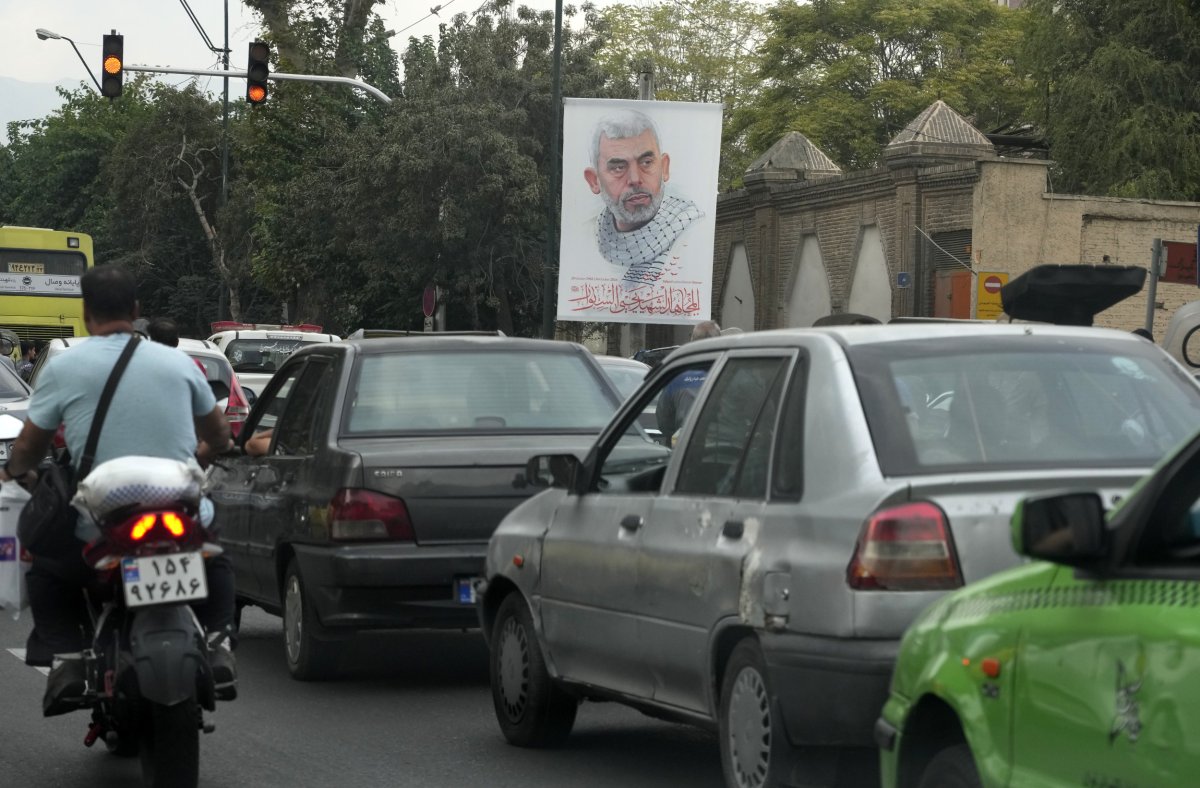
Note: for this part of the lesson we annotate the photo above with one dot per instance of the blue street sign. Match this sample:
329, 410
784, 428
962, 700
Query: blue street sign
903, 279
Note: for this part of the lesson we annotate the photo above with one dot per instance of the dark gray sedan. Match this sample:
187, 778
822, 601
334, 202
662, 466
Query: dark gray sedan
390, 463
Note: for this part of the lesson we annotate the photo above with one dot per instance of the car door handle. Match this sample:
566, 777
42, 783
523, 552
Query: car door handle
631, 522
733, 529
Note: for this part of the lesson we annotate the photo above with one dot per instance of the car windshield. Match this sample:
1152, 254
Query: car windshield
1009, 403
260, 355
498, 391
626, 379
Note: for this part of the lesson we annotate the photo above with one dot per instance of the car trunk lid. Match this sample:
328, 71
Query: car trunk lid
457, 488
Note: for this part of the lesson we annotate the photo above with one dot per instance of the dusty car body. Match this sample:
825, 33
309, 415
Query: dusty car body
827, 486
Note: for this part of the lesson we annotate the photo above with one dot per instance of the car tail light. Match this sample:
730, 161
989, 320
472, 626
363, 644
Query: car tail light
237, 409
155, 526
356, 514
905, 548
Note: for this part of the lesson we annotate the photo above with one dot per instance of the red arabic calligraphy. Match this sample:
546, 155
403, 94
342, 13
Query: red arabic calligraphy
616, 299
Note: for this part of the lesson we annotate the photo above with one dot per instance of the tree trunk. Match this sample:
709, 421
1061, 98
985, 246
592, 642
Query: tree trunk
504, 320
350, 37
275, 15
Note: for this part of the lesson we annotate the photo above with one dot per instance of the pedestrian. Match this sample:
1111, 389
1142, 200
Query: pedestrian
28, 357
680, 394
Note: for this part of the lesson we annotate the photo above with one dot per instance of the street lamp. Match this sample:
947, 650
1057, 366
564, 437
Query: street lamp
44, 34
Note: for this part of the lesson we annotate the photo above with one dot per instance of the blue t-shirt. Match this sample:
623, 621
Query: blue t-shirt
153, 410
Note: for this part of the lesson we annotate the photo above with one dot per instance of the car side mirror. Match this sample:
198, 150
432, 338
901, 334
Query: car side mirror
552, 470
1068, 528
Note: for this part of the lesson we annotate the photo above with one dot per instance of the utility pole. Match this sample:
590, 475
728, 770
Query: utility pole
633, 335
1156, 264
223, 300
550, 257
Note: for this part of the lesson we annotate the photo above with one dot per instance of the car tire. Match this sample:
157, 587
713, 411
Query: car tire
952, 767
531, 707
309, 656
751, 729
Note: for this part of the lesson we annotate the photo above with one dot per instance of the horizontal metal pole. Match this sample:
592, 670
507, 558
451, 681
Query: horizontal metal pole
196, 72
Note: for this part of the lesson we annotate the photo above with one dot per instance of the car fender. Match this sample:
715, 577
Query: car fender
514, 561
954, 673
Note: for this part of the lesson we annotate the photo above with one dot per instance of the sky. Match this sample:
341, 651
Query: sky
157, 33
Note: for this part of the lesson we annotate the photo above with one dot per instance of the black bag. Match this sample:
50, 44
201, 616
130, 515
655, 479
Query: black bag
46, 526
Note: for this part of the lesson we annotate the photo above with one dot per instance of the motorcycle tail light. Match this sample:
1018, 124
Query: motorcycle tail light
155, 526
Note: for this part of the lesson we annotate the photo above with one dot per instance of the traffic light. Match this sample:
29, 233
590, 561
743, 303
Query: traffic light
257, 70
112, 66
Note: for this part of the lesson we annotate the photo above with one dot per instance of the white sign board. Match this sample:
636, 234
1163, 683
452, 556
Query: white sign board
40, 284
639, 210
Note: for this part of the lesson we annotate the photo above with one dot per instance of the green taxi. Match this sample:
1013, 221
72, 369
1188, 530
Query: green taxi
1081, 669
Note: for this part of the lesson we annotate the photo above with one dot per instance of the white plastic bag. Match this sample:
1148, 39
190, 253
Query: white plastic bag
144, 481
13, 596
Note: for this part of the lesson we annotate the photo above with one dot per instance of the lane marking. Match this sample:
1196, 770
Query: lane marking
19, 653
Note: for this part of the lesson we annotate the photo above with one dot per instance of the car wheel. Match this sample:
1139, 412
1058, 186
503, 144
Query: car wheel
309, 657
953, 767
751, 733
532, 709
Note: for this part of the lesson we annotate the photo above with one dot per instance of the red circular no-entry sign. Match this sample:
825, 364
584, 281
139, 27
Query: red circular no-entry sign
992, 284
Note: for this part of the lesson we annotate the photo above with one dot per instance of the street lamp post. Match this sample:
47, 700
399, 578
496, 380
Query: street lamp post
44, 34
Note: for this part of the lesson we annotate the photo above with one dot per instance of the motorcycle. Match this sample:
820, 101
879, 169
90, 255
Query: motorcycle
148, 674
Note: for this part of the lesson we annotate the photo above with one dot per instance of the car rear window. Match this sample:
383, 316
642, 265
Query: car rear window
260, 355
494, 391
1021, 402
626, 379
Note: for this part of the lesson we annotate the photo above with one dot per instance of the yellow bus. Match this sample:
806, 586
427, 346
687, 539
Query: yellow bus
40, 271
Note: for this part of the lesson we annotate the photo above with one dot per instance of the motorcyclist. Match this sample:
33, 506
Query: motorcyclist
161, 406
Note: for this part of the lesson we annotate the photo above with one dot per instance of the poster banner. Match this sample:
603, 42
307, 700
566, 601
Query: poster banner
639, 210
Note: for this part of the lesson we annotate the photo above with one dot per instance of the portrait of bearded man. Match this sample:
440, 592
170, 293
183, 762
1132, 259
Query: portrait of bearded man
643, 224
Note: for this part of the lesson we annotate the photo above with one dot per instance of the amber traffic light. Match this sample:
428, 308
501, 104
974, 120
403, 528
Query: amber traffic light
112, 65
257, 70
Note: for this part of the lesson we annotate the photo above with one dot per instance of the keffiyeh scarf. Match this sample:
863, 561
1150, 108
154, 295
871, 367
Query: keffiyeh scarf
644, 251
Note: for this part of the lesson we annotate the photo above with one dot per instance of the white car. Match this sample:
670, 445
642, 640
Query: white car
256, 351
217, 371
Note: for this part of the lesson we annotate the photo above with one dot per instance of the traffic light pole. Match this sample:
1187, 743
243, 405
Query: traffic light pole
195, 72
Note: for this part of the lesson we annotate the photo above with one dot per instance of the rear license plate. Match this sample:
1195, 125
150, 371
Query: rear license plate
464, 589
164, 579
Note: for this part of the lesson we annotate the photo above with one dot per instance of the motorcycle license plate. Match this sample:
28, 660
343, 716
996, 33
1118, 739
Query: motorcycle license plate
163, 579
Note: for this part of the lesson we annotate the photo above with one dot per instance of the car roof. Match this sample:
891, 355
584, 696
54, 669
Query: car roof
273, 333
850, 336
433, 342
191, 346
620, 361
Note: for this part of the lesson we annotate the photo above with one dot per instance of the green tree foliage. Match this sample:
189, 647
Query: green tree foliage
850, 74
700, 51
340, 208
1119, 94
449, 187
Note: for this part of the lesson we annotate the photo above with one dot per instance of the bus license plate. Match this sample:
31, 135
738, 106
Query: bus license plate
164, 579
